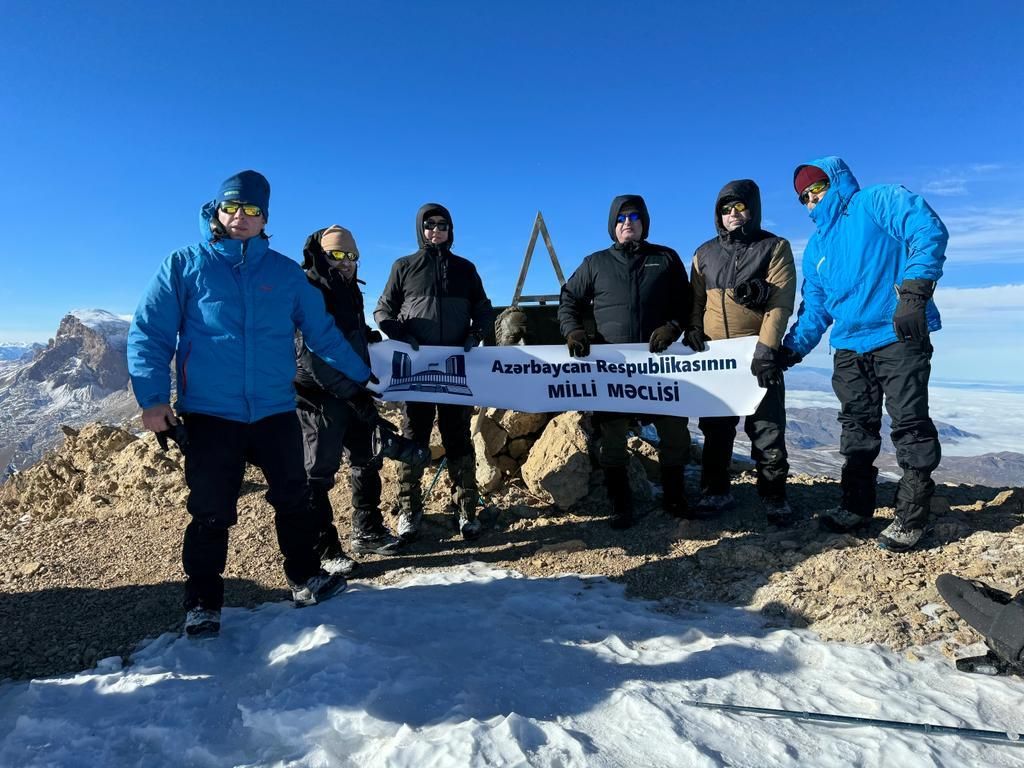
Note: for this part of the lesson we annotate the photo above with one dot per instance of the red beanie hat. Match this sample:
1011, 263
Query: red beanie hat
807, 175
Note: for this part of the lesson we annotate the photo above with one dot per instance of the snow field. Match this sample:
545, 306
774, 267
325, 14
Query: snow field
482, 667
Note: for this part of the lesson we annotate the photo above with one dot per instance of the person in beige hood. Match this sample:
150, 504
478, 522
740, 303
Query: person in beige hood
744, 284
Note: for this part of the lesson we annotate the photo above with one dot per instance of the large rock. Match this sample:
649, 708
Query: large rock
647, 455
493, 436
558, 468
518, 424
488, 476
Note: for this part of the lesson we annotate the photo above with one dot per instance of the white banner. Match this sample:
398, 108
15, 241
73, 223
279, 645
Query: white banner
622, 378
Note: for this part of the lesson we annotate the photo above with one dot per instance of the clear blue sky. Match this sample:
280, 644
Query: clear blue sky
119, 119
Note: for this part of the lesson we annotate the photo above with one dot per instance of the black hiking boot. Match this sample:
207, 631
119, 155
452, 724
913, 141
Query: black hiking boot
616, 480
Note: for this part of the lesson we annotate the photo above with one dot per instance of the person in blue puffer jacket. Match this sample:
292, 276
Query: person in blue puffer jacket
869, 272
226, 309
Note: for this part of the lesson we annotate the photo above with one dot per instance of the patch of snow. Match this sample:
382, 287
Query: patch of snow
481, 667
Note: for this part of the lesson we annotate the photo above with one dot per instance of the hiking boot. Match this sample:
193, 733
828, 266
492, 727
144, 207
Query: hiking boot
899, 538
673, 492
616, 479
778, 512
318, 588
409, 524
711, 504
469, 525
842, 520
339, 564
375, 543
202, 622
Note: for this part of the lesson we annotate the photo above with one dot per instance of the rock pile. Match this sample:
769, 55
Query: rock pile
97, 468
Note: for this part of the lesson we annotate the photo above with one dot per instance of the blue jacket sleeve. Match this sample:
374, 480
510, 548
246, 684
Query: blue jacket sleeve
911, 221
322, 336
153, 335
813, 318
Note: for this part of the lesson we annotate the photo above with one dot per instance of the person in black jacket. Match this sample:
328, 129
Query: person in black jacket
639, 293
335, 413
436, 298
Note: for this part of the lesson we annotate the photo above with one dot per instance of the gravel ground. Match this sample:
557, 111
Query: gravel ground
90, 554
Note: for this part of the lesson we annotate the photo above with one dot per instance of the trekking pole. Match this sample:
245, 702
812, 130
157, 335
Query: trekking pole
976, 733
440, 469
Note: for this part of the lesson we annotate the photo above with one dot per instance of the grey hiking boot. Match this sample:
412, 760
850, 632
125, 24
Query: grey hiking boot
339, 564
375, 543
409, 521
711, 504
842, 520
202, 622
778, 512
898, 538
318, 588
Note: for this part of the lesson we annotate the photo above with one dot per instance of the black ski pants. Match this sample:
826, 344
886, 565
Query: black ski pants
673, 439
898, 375
218, 450
329, 431
453, 423
766, 428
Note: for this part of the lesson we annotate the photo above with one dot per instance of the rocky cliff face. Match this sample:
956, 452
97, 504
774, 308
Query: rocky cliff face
80, 376
87, 352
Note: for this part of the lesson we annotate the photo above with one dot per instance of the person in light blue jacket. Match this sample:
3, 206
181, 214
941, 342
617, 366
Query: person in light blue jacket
226, 310
869, 273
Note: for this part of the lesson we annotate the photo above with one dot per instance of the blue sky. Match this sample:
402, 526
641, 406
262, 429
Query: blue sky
121, 118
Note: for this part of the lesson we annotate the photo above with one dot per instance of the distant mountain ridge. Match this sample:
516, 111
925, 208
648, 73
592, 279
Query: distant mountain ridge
81, 375
16, 351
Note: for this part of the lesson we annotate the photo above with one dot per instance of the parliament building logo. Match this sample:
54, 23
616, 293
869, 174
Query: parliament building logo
451, 379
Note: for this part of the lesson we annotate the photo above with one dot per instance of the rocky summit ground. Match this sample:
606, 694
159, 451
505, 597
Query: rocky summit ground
90, 543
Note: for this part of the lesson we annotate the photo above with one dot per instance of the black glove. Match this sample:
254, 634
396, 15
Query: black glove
395, 329
663, 337
372, 337
909, 320
694, 338
752, 294
364, 406
767, 370
386, 443
472, 340
765, 366
176, 434
578, 343
787, 358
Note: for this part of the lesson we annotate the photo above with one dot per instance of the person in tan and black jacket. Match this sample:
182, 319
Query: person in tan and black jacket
744, 284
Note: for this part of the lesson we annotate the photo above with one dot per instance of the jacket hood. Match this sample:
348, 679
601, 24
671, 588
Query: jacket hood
747, 191
842, 187
618, 204
426, 210
314, 260
211, 231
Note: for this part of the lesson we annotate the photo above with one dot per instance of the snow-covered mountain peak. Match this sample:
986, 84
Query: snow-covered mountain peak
114, 327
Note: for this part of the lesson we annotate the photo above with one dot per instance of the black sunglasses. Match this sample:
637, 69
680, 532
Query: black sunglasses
440, 226
632, 216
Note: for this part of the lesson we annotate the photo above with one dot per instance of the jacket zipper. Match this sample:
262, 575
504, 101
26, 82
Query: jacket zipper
245, 331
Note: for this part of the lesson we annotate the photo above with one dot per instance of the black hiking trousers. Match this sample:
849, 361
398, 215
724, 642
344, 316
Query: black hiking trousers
218, 450
897, 374
328, 432
766, 428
